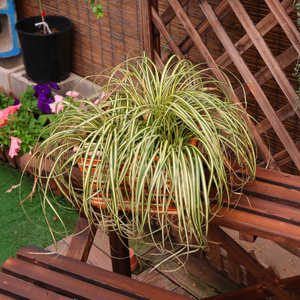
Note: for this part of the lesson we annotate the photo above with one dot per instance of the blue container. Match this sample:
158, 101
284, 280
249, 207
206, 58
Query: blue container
9, 44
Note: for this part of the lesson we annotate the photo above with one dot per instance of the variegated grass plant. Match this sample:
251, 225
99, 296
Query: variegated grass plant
162, 146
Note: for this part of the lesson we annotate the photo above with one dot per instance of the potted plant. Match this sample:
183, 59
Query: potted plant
22, 120
46, 46
161, 145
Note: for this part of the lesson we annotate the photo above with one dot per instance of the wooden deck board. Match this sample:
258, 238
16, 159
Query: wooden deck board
197, 279
270, 254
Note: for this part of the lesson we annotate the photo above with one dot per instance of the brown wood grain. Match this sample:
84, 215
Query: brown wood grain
234, 269
147, 30
278, 178
257, 225
163, 30
257, 291
82, 240
215, 258
15, 288
248, 77
119, 253
267, 56
285, 22
221, 11
274, 193
264, 26
251, 264
168, 15
96, 276
57, 282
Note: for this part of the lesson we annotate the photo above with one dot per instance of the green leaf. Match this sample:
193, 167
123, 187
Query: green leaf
42, 119
31, 124
94, 10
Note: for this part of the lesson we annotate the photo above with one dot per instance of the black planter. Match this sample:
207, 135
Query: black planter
47, 57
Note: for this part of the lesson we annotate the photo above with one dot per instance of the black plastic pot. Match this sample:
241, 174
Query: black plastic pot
47, 57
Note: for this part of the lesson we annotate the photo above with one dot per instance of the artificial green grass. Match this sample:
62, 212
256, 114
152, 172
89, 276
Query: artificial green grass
18, 229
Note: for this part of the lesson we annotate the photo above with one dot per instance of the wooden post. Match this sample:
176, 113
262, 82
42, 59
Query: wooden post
147, 30
156, 39
120, 253
82, 240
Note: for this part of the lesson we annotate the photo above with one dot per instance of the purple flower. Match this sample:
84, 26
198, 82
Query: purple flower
43, 94
16, 102
43, 104
54, 85
41, 90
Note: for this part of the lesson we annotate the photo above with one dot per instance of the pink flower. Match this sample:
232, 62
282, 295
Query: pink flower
3, 118
56, 106
12, 109
102, 96
6, 112
14, 146
72, 94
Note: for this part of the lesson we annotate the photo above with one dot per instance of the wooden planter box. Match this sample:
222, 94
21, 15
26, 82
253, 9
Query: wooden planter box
14, 162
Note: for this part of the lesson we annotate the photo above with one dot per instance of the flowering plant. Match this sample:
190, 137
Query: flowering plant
22, 121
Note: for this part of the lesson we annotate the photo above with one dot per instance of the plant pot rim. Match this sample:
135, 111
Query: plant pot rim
36, 19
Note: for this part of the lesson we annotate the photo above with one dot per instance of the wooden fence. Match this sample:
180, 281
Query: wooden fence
251, 56
257, 40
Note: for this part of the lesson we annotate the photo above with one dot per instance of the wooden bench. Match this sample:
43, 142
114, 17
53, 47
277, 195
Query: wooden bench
269, 208
37, 274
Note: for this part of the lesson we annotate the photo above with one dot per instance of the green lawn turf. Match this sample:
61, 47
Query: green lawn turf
17, 229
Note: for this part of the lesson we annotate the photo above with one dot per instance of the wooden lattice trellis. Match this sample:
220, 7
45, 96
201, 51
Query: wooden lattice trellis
157, 27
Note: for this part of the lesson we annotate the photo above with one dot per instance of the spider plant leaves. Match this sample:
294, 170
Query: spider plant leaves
162, 146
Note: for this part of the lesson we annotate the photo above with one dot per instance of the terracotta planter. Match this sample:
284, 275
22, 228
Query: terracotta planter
155, 208
133, 260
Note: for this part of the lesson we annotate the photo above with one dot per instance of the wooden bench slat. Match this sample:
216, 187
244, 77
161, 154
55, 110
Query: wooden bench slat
278, 178
257, 291
13, 288
5, 297
273, 192
265, 208
256, 225
57, 282
95, 275
254, 292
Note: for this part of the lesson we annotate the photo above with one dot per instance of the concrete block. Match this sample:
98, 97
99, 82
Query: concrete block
20, 81
9, 66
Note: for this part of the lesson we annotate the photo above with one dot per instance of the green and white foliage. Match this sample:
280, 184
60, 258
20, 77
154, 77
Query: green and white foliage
162, 146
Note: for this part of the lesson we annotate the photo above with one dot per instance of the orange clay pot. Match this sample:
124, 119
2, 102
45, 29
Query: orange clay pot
133, 260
